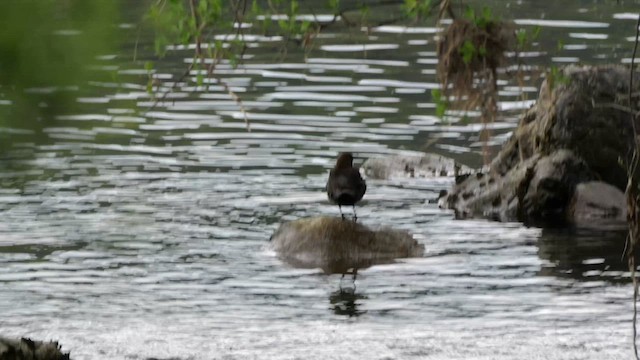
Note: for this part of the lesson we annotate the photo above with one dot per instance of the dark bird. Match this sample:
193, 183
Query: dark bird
345, 185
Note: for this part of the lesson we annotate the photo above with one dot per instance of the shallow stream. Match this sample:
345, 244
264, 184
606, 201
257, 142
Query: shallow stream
133, 232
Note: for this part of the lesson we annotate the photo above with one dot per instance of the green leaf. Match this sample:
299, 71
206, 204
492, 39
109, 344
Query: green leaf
521, 36
536, 32
470, 14
486, 14
283, 24
305, 25
334, 6
482, 51
267, 22
364, 11
425, 8
468, 51
233, 60
556, 77
441, 109
440, 101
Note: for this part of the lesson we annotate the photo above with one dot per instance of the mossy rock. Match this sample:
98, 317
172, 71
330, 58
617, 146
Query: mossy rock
336, 245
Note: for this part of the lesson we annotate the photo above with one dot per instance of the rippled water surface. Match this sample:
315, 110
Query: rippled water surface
135, 231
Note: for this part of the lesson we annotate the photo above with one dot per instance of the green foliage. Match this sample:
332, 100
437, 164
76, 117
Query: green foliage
184, 21
524, 38
417, 8
468, 51
536, 32
148, 66
556, 77
49, 44
482, 20
169, 19
365, 11
199, 74
190, 21
334, 6
482, 51
441, 102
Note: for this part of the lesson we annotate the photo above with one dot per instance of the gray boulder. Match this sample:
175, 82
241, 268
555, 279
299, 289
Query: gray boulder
568, 147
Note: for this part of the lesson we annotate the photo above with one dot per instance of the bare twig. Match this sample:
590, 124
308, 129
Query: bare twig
200, 24
175, 85
615, 106
239, 18
196, 19
632, 197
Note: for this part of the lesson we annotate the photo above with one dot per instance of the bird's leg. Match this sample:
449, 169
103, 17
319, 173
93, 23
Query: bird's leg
355, 217
341, 214
354, 273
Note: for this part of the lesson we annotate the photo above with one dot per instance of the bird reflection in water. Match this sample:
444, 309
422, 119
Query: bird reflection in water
344, 302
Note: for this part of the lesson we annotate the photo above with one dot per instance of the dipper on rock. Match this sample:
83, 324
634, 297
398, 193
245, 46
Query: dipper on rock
345, 185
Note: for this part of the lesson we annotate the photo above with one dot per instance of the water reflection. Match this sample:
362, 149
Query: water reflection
585, 254
346, 302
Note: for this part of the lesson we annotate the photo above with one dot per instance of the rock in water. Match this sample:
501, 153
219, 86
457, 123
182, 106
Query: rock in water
577, 133
27, 349
412, 165
596, 202
337, 245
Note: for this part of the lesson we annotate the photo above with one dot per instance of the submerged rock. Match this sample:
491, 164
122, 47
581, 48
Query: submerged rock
575, 135
596, 201
337, 245
412, 165
27, 349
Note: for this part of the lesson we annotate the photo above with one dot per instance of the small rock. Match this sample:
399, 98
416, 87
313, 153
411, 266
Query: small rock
596, 200
412, 165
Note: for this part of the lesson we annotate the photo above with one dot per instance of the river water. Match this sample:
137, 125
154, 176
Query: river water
137, 232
